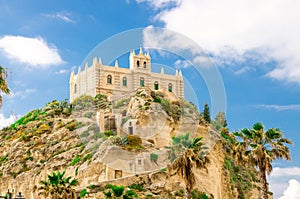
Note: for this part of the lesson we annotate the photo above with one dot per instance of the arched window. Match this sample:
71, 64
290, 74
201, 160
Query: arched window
138, 63
124, 81
145, 64
142, 82
156, 85
109, 79
75, 88
170, 88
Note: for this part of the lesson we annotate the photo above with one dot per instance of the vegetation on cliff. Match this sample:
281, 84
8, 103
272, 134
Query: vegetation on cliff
63, 136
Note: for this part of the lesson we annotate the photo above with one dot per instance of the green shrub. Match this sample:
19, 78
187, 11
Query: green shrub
92, 186
108, 194
85, 134
199, 195
154, 157
130, 194
83, 193
117, 190
97, 135
179, 193
76, 160
87, 157
109, 133
137, 187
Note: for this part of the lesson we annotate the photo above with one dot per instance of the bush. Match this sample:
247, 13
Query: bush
134, 140
76, 160
154, 157
44, 128
130, 194
83, 193
137, 187
71, 126
117, 190
109, 133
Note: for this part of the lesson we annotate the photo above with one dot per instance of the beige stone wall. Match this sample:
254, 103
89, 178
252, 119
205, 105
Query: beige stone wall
93, 80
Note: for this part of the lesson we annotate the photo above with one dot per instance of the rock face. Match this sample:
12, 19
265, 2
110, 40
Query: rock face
51, 139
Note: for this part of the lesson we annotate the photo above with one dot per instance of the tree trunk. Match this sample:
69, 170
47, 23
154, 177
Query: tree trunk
187, 192
264, 183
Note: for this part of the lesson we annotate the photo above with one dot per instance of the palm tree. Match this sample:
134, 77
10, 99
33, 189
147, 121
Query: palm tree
259, 148
185, 162
57, 186
3, 84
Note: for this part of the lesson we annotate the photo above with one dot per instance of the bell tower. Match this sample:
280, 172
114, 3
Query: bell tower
140, 61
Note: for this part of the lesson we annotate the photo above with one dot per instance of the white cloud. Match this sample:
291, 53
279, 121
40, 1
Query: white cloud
244, 70
293, 190
288, 171
63, 16
280, 181
270, 28
32, 51
289, 107
159, 4
182, 64
62, 71
21, 94
6, 121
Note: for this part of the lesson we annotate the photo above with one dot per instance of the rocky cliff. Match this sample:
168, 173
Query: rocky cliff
98, 141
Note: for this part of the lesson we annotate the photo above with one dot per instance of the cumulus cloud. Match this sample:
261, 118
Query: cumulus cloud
293, 190
280, 179
6, 121
33, 51
233, 29
63, 16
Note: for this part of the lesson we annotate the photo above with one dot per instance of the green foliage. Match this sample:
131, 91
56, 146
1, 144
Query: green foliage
179, 193
101, 101
85, 134
109, 133
83, 193
87, 157
206, 113
153, 157
83, 103
172, 109
57, 183
137, 187
220, 121
121, 102
129, 194
92, 186
3, 159
76, 160
117, 190
199, 195
241, 177
108, 194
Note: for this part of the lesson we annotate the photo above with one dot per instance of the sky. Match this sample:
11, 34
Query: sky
251, 48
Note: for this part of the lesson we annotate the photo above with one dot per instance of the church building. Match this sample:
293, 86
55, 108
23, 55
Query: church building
115, 81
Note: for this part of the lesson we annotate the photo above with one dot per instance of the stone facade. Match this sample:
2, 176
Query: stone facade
115, 82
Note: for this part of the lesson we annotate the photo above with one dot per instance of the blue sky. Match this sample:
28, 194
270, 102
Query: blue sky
253, 44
